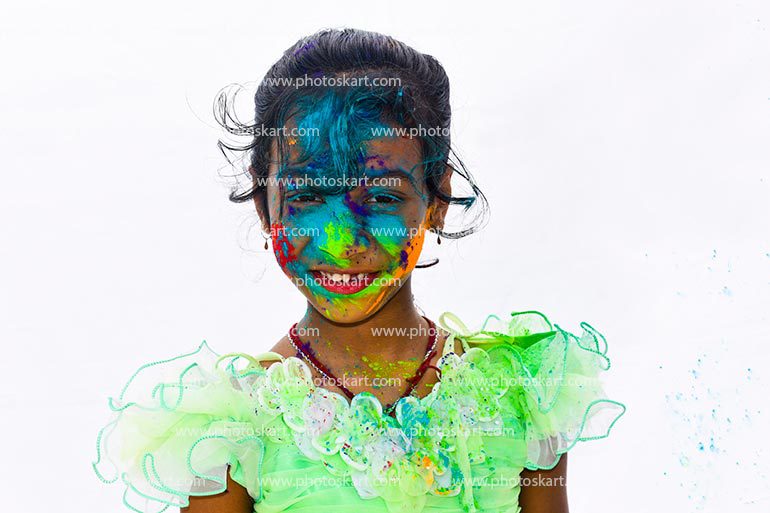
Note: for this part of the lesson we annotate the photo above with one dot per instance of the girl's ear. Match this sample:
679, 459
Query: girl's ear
260, 203
439, 208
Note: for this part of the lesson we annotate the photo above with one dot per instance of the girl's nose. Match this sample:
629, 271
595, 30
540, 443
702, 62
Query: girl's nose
344, 236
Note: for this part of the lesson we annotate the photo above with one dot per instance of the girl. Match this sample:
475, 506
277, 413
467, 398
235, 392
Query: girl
365, 405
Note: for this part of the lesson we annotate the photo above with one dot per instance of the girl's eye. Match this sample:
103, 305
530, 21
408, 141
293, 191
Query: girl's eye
383, 199
305, 197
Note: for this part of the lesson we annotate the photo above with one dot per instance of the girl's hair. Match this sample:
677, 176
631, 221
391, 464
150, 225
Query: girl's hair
401, 85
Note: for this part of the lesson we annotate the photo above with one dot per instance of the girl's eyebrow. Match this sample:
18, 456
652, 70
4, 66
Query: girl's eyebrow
303, 174
390, 172
399, 172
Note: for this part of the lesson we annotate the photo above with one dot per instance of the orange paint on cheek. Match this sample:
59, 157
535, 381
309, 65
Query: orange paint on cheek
413, 251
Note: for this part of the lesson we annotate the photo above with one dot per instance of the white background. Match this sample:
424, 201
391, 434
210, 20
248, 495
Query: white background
624, 147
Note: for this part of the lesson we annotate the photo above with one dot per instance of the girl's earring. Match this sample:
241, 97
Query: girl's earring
438, 240
264, 237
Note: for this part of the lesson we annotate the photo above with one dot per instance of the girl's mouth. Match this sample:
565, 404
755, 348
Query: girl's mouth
344, 282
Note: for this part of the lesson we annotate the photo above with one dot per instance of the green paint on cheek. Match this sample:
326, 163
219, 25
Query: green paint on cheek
390, 232
391, 247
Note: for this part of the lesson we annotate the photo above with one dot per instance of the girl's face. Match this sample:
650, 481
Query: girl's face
350, 249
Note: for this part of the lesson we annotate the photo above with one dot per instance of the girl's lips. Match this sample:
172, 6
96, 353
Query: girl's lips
344, 283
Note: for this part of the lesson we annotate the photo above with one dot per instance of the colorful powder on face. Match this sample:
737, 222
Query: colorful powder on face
412, 251
337, 227
404, 259
339, 238
338, 234
282, 246
371, 160
354, 207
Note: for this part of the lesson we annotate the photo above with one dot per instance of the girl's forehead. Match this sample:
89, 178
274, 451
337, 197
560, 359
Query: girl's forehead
382, 155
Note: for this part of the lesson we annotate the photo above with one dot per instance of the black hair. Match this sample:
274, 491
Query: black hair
418, 98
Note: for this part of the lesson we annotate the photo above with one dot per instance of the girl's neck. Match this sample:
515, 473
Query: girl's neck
396, 331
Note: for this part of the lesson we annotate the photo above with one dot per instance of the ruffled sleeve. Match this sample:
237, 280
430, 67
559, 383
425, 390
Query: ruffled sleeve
176, 428
549, 383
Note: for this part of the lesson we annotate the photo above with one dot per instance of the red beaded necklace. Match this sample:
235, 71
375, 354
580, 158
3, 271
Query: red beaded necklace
330, 377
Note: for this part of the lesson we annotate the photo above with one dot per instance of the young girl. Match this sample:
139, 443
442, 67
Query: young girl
365, 405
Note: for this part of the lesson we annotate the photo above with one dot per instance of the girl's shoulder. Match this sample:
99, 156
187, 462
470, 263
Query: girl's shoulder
544, 381
279, 352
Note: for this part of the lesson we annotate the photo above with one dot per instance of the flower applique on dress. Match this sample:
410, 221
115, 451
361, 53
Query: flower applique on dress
521, 393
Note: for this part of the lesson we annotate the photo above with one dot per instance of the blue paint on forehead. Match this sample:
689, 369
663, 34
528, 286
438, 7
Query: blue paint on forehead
334, 126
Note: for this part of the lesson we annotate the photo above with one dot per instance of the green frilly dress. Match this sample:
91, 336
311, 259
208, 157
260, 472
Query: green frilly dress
522, 393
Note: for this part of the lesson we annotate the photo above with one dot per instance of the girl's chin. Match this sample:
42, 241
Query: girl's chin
344, 318
348, 311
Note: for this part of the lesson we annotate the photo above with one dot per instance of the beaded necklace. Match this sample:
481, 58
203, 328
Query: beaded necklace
324, 371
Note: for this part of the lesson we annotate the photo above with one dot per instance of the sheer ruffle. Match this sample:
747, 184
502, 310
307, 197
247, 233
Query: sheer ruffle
522, 393
550, 390
177, 425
